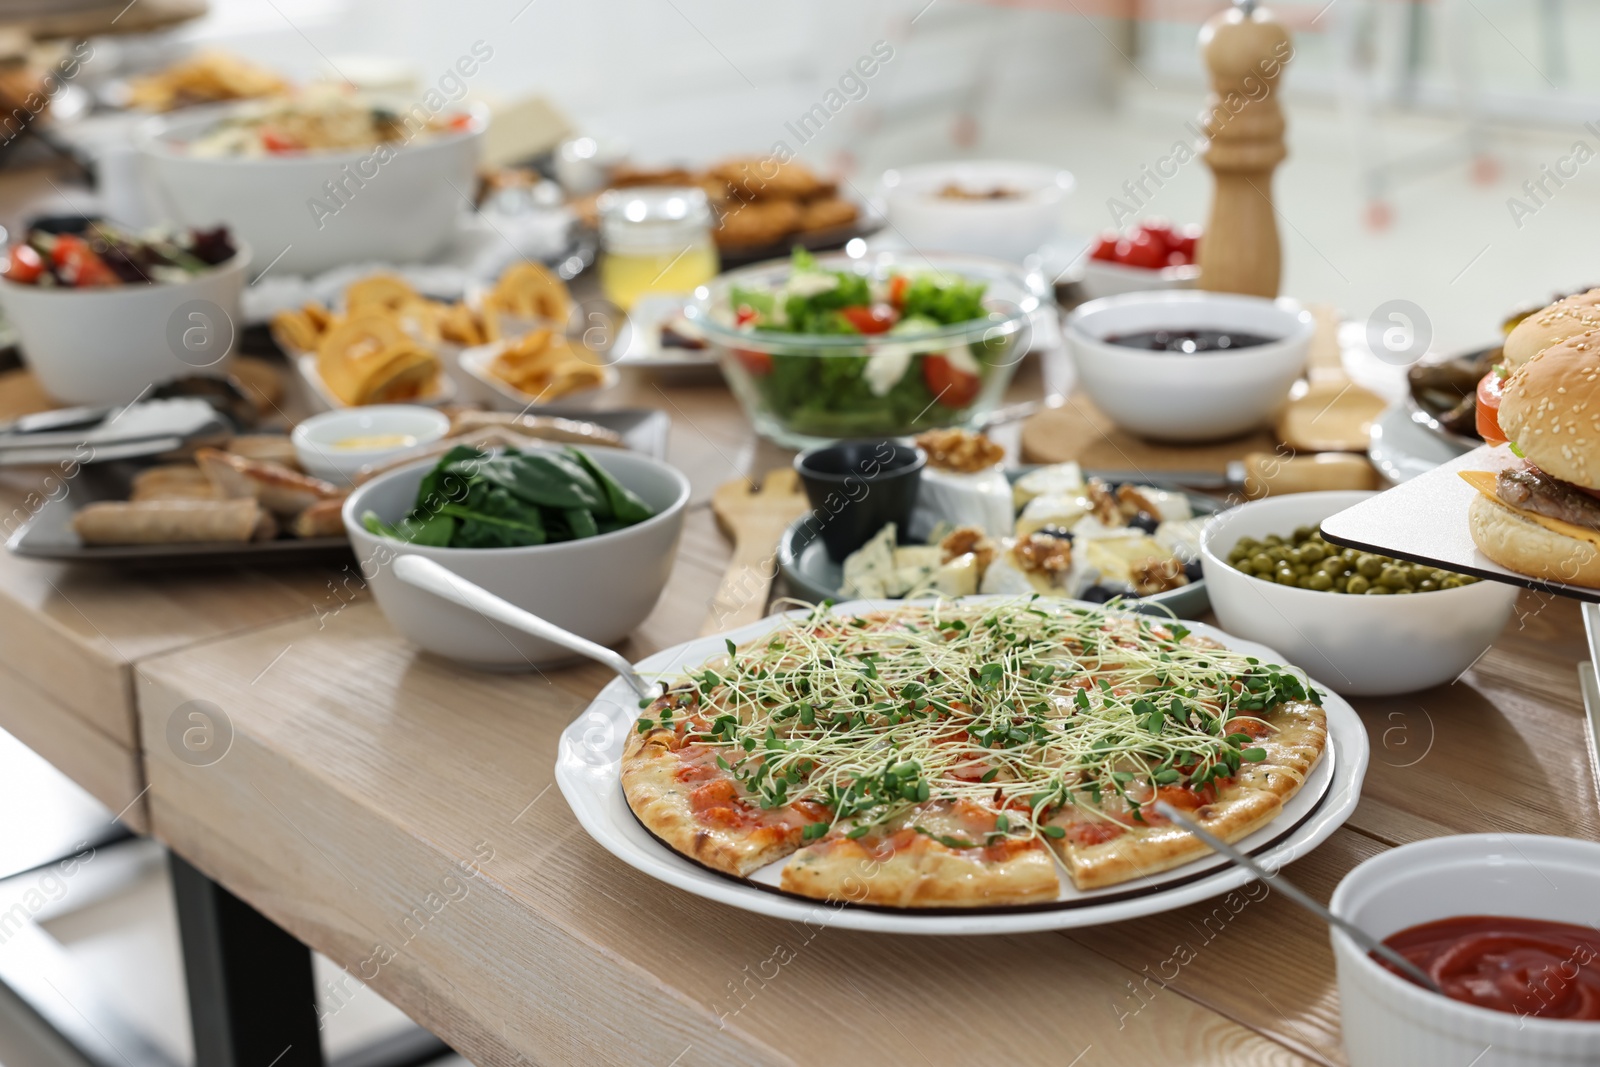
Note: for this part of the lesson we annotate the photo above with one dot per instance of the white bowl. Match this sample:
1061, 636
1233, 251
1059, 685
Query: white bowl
1005, 229
1113, 279
1389, 1022
600, 587
106, 345
399, 211
1168, 396
316, 440
1360, 645
503, 396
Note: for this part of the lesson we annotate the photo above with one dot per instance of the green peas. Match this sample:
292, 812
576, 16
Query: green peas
1306, 560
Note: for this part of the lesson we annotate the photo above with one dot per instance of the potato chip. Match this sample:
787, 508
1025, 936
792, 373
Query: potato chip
530, 291
385, 290
293, 331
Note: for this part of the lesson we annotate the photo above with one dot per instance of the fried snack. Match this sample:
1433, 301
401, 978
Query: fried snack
280, 490
323, 519
529, 291
459, 325
295, 331
205, 78
172, 481
156, 522
369, 358
758, 223
271, 447
545, 366
756, 178
827, 214
384, 290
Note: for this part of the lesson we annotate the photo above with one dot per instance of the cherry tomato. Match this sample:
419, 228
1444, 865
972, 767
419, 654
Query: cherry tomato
757, 363
1142, 250
1185, 239
897, 290
954, 387
273, 141
745, 315
1157, 227
875, 319
1177, 259
1490, 388
25, 266
1105, 247
77, 264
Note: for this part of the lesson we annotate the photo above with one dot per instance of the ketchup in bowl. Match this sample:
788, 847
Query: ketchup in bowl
1549, 970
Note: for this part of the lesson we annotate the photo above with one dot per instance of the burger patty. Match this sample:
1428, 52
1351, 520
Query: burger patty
1533, 490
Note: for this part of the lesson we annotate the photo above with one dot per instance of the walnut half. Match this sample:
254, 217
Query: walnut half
1044, 554
1156, 574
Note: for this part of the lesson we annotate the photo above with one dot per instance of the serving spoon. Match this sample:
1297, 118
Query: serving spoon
429, 576
1300, 897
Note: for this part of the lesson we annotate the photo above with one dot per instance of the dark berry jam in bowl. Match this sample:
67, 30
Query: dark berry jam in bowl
1190, 341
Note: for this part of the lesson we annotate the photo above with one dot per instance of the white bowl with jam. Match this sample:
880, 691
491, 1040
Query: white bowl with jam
338, 445
1504, 923
1184, 365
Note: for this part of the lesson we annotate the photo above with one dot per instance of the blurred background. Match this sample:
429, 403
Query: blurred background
1422, 138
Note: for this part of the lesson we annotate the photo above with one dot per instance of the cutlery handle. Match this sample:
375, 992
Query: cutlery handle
1269, 474
429, 576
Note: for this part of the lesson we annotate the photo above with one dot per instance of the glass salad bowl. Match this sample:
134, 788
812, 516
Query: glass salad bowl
894, 343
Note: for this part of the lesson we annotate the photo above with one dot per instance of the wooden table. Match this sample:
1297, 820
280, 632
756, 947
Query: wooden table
398, 814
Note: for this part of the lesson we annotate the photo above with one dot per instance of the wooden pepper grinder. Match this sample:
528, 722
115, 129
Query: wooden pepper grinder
1245, 49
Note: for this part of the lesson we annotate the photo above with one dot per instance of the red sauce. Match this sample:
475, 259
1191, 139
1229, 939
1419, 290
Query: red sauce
1523, 966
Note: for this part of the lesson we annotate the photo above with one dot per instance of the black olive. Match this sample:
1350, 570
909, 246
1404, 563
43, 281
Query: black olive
1056, 532
1145, 521
1192, 571
1097, 594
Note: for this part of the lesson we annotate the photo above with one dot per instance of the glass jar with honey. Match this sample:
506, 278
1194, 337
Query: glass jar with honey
657, 241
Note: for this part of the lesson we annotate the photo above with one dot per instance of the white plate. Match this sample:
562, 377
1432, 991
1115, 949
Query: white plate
444, 390
644, 347
507, 397
1401, 449
589, 772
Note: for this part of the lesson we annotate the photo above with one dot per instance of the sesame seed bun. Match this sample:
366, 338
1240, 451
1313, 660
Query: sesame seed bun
1551, 409
1561, 320
1515, 541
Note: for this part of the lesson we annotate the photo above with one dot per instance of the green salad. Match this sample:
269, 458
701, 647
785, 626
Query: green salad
886, 386
476, 499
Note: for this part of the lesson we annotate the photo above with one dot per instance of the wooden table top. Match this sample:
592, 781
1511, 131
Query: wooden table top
398, 814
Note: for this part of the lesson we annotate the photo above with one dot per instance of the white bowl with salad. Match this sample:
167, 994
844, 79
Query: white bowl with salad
320, 179
819, 348
104, 314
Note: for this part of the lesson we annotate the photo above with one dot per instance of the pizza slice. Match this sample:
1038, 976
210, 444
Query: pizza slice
1123, 837
683, 791
944, 853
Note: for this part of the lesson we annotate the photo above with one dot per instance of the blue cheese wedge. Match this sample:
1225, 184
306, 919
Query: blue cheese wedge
959, 577
914, 567
1060, 510
1058, 479
981, 499
869, 570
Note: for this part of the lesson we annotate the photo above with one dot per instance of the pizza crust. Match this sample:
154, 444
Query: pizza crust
921, 874
660, 799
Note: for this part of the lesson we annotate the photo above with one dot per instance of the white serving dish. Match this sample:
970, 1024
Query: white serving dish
403, 211
1113, 279
107, 345
1360, 645
1170, 396
1388, 1021
316, 440
506, 397
588, 772
443, 391
600, 587
1005, 229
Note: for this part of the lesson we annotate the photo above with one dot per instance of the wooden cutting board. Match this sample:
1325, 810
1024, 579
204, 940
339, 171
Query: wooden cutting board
1080, 431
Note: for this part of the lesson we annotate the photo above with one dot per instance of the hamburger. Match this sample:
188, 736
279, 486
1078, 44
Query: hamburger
1539, 514
1566, 318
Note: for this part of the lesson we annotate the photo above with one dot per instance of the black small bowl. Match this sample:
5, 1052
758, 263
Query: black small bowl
856, 487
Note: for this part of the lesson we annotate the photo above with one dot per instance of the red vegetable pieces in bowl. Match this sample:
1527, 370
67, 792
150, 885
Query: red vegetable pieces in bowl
1152, 244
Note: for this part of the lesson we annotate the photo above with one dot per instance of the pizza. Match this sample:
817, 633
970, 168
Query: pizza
959, 754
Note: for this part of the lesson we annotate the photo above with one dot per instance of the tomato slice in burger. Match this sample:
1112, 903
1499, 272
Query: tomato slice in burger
1490, 388
952, 386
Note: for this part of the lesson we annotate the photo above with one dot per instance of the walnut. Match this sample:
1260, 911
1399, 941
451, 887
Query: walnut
1134, 503
960, 450
1103, 504
1044, 554
964, 539
1157, 574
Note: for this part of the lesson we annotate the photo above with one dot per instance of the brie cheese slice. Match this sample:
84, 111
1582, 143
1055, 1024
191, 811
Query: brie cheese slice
981, 499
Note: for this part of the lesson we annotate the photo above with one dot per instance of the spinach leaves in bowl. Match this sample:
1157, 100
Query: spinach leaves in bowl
511, 498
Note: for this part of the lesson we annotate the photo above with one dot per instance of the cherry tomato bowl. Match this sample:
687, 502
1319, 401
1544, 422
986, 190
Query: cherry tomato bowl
106, 344
802, 389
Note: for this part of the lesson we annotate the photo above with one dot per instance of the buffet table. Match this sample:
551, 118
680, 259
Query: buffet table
397, 813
